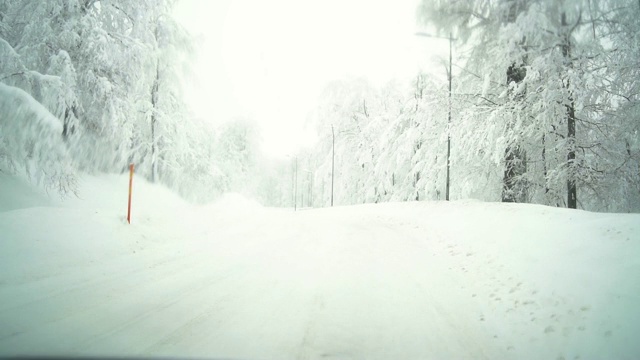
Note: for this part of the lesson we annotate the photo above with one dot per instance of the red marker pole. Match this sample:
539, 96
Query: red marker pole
130, 188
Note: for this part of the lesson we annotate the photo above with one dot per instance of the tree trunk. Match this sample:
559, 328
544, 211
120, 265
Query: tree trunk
572, 197
154, 104
66, 125
544, 166
514, 156
70, 119
515, 165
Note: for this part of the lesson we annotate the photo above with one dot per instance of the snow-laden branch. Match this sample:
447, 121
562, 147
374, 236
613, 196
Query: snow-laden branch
31, 141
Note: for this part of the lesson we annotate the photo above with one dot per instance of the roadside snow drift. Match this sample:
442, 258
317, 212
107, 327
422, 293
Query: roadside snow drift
424, 280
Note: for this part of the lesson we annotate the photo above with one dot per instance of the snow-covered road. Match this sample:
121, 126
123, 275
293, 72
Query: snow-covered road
412, 281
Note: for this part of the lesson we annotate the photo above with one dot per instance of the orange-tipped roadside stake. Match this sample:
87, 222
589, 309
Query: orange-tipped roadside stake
130, 188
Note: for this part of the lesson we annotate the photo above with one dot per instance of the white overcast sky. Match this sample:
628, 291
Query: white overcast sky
269, 60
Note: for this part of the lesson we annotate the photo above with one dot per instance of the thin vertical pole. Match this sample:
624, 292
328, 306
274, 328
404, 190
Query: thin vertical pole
449, 120
293, 181
311, 202
130, 189
333, 156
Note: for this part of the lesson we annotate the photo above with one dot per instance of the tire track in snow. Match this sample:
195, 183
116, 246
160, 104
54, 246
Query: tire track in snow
183, 293
76, 309
86, 283
306, 347
57, 306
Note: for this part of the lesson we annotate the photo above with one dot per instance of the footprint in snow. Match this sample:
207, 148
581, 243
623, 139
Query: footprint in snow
549, 329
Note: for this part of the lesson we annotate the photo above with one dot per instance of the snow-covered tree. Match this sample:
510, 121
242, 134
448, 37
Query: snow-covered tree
31, 142
554, 107
544, 110
110, 71
236, 148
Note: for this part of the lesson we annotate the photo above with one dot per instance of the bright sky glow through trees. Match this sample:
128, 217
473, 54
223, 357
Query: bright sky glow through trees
269, 61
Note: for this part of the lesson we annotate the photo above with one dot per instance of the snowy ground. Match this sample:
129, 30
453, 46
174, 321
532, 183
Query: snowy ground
459, 280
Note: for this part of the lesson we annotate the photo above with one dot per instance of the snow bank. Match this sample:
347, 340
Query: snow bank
31, 142
41, 234
235, 202
17, 194
230, 207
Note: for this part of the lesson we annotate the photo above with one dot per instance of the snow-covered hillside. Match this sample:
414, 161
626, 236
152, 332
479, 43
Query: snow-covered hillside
422, 280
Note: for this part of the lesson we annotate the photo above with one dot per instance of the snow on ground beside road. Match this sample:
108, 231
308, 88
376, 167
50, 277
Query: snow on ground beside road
421, 280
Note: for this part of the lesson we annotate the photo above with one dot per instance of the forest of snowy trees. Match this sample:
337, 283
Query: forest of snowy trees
91, 86
543, 108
